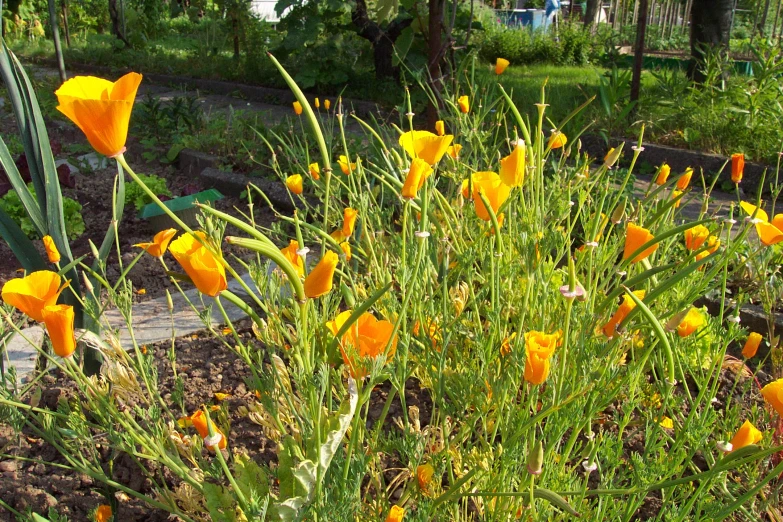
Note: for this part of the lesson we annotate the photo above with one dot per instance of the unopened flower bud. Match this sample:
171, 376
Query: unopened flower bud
619, 212
535, 461
169, 302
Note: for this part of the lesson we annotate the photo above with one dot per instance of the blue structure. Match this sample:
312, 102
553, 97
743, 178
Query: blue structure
532, 18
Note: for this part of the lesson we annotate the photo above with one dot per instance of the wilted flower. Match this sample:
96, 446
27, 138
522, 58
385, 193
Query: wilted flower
417, 175
365, 340
663, 174
31, 294
51, 249
199, 421
557, 140
315, 171
291, 253
621, 313
432, 330
295, 183
396, 514
425, 145
100, 108
159, 243
440, 128
345, 165
737, 166
685, 179
59, 323
500, 65
773, 394
464, 104
424, 475
635, 237
692, 321
494, 190
505, 346
319, 281
512, 167
696, 236
746, 435
769, 233
204, 269
751, 345
297, 108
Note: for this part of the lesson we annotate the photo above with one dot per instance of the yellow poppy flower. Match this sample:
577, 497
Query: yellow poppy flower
685, 179
159, 243
464, 104
557, 140
203, 268
751, 345
364, 341
396, 514
295, 183
298, 108
770, 233
737, 167
51, 249
773, 394
32, 293
317, 103
635, 237
676, 195
696, 236
290, 253
319, 281
345, 165
747, 434
425, 145
500, 65
417, 175
315, 171
663, 174
692, 321
621, 313
59, 323
327, 104
493, 188
199, 421
539, 348
440, 128
100, 108
512, 167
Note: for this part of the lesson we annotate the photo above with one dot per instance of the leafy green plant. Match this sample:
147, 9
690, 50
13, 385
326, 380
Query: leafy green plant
136, 195
72, 214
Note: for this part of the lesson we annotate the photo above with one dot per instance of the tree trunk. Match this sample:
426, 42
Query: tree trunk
114, 14
710, 28
638, 57
235, 30
58, 50
382, 41
66, 30
591, 12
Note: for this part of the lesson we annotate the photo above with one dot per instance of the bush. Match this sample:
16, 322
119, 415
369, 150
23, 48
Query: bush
134, 194
12, 205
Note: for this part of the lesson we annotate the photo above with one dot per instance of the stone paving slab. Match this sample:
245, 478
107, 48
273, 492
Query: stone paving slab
20, 353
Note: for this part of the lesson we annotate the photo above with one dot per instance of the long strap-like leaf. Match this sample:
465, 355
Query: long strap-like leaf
20, 244
18, 184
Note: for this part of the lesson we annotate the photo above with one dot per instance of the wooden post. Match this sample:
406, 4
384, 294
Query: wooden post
638, 57
66, 30
635, 12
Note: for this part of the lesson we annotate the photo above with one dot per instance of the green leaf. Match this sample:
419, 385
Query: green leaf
402, 45
24, 250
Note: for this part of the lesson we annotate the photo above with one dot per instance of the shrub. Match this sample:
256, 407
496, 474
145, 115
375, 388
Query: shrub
136, 195
72, 214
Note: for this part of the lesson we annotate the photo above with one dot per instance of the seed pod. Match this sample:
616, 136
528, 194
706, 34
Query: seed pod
535, 460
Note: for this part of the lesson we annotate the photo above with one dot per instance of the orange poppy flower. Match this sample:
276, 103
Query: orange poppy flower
424, 474
453, 151
746, 435
692, 321
346, 248
440, 128
364, 341
396, 514
201, 265
557, 140
159, 243
635, 237
345, 165
100, 108
512, 167
769, 233
464, 104
327, 104
315, 171
685, 179
51, 249
32, 293
696, 236
295, 183
500, 65
103, 513
425, 145
298, 108
199, 421
59, 323
737, 167
417, 175
751, 345
290, 253
773, 394
663, 174
493, 188
319, 281
539, 348
622, 312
